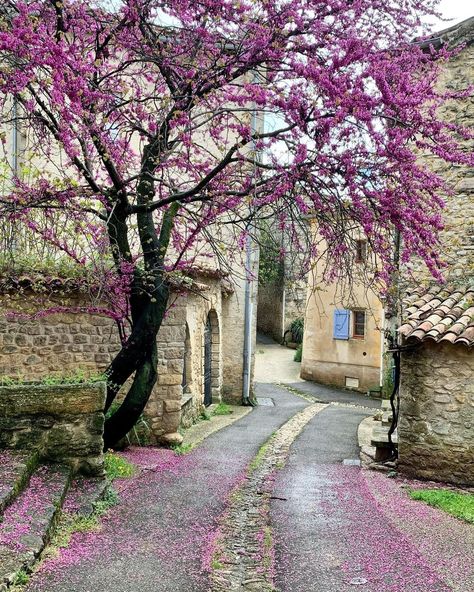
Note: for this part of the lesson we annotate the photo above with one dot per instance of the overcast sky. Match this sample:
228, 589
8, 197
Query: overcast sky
458, 10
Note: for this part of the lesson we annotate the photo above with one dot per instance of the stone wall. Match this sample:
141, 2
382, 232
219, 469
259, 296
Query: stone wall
64, 423
436, 426
278, 306
270, 310
62, 344
457, 238
58, 344
295, 301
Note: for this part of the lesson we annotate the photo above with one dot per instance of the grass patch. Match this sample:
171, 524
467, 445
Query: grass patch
118, 467
460, 505
21, 578
223, 409
72, 523
181, 449
79, 376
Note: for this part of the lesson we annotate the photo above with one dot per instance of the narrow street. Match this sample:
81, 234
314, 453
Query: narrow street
333, 527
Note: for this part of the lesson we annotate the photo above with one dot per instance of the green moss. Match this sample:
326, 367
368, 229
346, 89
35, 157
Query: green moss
216, 564
460, 505
258, 458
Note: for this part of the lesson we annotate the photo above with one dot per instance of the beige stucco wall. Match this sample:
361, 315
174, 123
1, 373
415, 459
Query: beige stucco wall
330, 360
233, 315
436, 426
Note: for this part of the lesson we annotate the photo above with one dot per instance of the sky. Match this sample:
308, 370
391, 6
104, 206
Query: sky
458, 10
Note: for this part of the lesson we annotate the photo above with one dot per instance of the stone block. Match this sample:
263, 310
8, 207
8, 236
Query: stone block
169, 379
63, 423
172, 406
170, 422
172, 439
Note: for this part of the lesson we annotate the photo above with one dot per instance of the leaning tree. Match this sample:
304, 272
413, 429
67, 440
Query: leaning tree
151, 125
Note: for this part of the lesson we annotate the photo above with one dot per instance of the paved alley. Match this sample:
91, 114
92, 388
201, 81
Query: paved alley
332, 526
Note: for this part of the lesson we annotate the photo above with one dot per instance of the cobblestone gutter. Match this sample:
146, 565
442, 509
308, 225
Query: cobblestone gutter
243, 552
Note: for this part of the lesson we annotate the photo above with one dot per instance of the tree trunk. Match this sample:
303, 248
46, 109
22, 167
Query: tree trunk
123, 420
139, 355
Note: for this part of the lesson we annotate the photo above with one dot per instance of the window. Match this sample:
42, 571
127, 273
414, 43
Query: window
358, 324
361, 251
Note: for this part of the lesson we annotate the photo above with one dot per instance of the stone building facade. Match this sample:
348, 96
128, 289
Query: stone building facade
436, 423
203, 322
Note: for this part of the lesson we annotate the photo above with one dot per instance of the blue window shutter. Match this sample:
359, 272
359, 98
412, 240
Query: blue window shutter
341, 324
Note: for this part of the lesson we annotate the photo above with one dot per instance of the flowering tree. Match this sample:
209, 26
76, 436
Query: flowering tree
144, 132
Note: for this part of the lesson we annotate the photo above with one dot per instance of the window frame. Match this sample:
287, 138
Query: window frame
355, 324
361, 250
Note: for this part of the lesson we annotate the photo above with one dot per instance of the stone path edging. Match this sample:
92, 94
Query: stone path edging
198, 432
243, 548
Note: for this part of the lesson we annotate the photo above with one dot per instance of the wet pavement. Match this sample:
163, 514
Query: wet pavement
159, 538
328, 394
335, 527
331, 529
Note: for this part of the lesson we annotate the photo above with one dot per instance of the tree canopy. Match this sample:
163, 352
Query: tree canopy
150, 126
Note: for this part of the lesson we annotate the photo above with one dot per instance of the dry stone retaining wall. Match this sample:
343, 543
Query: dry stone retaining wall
436, 426
63, 423
61, 344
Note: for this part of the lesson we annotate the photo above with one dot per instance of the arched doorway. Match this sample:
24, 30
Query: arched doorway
208, 363
211, 361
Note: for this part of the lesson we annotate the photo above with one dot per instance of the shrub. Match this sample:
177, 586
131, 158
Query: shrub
298, 353
297, 329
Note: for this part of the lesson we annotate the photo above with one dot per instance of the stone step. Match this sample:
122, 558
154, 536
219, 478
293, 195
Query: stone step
28, 521
83, 494
15, 471
379, 437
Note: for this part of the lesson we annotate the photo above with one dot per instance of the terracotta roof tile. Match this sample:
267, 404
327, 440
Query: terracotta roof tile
439, 314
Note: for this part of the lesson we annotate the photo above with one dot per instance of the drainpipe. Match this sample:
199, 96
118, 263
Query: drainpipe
248, 305
247, 324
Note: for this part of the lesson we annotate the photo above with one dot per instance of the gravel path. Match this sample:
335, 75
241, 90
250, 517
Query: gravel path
160, 537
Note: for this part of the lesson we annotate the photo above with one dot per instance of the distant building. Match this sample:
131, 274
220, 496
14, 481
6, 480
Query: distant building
342, 343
